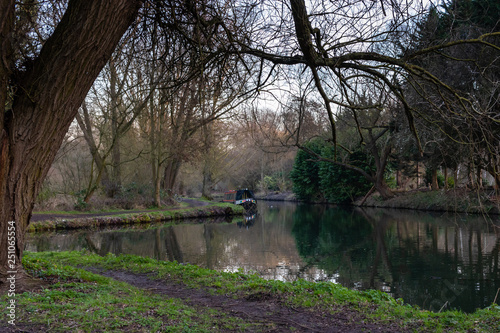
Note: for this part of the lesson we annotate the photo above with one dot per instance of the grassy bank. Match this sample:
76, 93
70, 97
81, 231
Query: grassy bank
75, 299
121, 218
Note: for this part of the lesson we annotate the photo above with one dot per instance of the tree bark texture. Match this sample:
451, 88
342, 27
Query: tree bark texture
434, 179
170, 174
207, 180
380, 160
47, 97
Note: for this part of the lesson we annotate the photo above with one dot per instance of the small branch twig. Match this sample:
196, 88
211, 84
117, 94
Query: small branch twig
495, 300
443, 306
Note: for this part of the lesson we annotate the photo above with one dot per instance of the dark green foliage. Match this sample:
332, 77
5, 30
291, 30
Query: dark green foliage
458, 14
341, 185
305, 174
459, 19
326, 181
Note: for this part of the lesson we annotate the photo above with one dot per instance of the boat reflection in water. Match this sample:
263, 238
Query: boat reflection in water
248, 221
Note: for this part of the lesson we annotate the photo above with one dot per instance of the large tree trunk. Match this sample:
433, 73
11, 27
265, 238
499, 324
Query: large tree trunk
434, 179
157, 186
207, 181
47, 98
382, 187
154, 144
170, 174
479, 177
380, 163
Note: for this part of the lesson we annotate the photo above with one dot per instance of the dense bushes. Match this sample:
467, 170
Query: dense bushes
305, 174
325, 181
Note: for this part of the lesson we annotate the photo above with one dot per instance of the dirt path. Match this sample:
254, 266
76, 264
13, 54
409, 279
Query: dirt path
36, 217
265, 309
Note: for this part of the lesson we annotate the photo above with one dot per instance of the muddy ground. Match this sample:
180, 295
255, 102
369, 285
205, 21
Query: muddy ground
265, 309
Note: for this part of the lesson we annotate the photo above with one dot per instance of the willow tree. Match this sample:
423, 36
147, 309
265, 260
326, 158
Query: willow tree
39, 97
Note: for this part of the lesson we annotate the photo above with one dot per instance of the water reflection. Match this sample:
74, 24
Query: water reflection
261, 243
436, 262
431, 261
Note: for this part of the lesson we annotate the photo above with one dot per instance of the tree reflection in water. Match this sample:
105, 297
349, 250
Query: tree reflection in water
427, 260
435, 262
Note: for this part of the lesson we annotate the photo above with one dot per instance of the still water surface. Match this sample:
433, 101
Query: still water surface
431, 260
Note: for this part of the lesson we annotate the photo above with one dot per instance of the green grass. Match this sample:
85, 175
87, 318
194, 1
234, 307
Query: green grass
83, 301
87, 299
57, 212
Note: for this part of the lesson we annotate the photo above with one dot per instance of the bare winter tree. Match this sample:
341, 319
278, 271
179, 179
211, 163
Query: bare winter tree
116, 100
201, 83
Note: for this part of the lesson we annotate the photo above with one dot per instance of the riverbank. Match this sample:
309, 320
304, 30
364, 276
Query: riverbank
453, 200
85, 292
192, 209
278, 196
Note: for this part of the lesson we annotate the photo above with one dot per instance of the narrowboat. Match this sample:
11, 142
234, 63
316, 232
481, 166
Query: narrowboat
244, 197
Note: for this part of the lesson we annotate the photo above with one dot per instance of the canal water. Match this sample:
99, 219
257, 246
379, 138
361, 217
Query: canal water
435, 261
